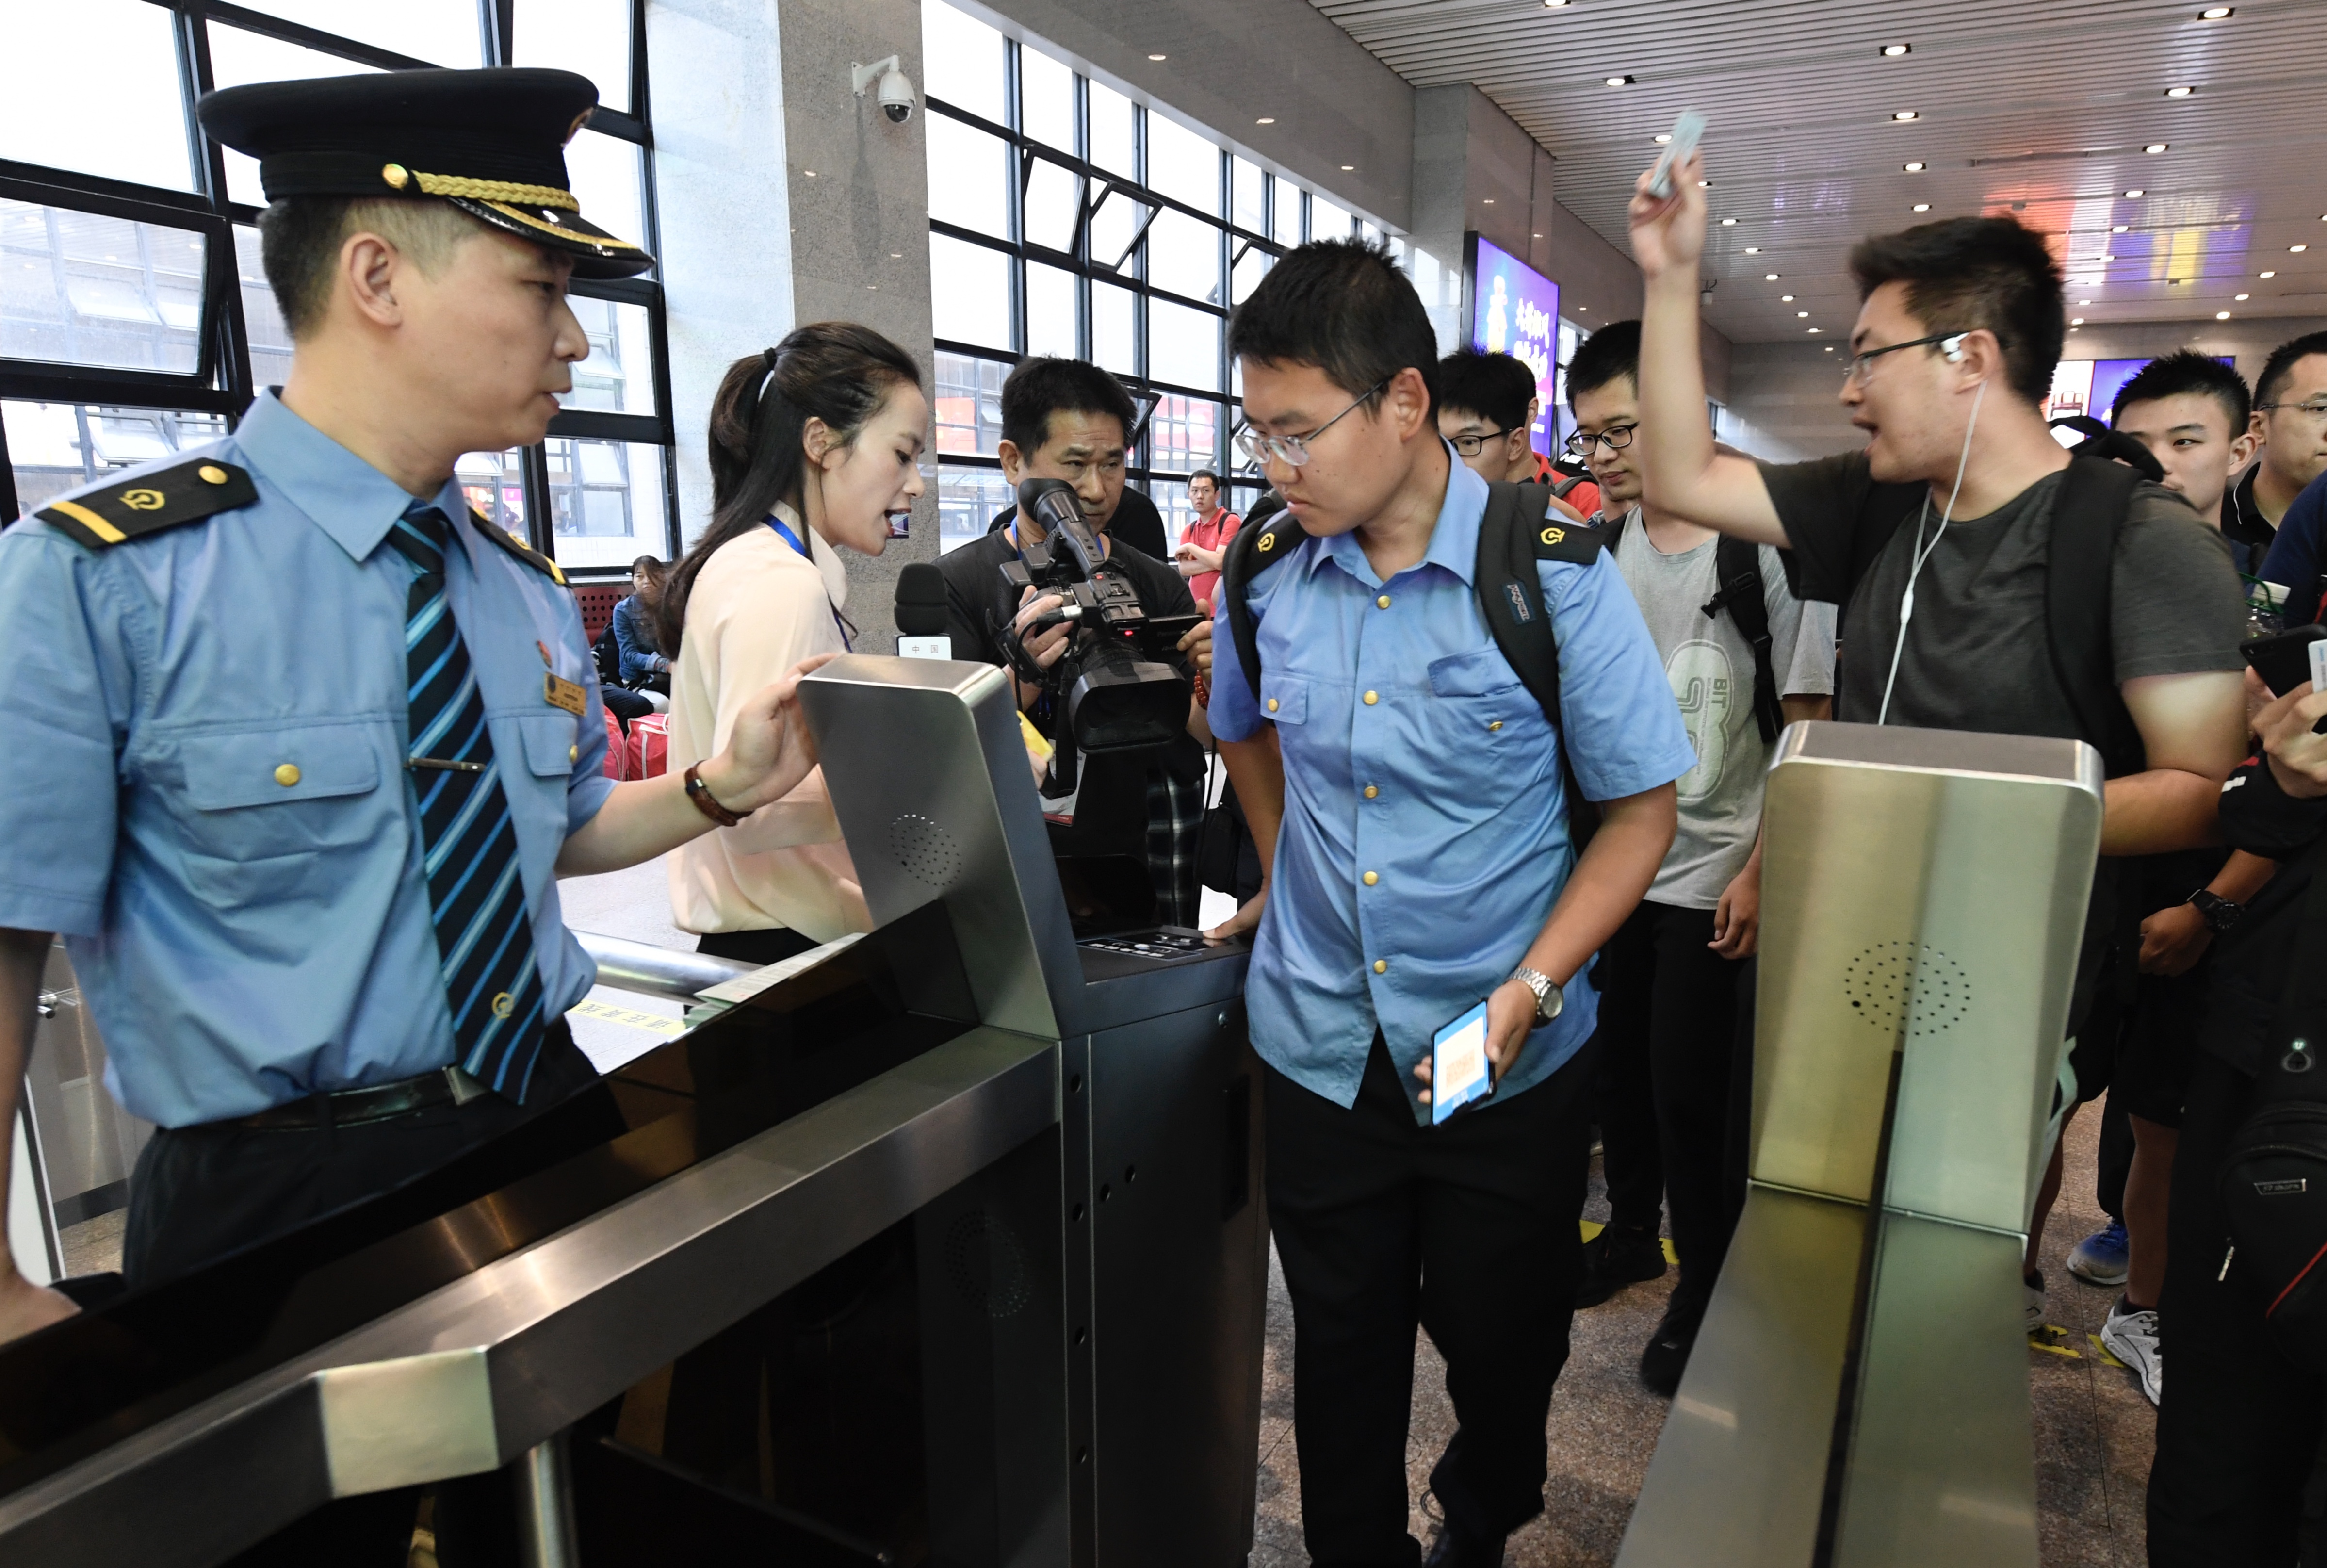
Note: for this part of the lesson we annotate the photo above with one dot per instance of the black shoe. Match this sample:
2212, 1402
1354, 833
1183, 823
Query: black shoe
1455, 1548
1667, 1357
1616, 1257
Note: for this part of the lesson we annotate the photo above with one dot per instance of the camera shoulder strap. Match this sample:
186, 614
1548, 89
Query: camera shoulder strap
1251, 552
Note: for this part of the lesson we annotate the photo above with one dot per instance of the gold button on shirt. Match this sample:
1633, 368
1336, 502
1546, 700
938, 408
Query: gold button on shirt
1372, 698
1383, 601
1371, 792
288, 774
1381, 965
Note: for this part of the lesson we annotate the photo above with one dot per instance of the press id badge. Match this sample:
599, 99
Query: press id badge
1458, 1075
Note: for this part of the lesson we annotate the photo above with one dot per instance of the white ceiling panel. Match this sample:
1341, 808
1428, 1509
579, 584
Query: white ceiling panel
2039, 108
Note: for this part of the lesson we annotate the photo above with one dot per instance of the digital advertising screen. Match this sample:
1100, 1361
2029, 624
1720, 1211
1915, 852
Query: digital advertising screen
1515, 311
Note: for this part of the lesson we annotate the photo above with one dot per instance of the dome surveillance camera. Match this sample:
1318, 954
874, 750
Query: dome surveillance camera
896, 90
896, 96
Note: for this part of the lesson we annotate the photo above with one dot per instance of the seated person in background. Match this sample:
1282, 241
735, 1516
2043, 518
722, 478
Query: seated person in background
1069, 420
813, 443
1958, 494
1487, 407
643, 666
1206, 543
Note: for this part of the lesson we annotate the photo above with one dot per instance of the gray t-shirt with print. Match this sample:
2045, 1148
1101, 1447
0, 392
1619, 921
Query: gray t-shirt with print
1711, 667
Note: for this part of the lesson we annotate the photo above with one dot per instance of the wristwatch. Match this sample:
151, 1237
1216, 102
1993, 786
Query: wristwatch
2218, 913
1548, 997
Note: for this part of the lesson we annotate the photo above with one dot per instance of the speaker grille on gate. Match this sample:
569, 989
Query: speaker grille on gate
987, 1265
925, 850
1911, 984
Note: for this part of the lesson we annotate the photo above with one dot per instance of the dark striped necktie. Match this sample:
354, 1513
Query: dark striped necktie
484, 932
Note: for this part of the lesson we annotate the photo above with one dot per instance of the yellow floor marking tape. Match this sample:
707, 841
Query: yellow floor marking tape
2036, 1342
1593, 1228
652, 1022
2104, 1351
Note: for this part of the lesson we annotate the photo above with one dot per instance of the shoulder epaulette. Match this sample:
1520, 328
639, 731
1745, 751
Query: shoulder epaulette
1565, 541
165, 498
1277, 539
517, 547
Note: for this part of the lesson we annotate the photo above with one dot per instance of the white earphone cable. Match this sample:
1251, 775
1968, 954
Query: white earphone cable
1923, 552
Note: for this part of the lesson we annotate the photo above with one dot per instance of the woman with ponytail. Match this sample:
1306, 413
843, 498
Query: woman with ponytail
814, 442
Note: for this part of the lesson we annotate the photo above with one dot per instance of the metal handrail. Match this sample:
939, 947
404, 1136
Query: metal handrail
655, 971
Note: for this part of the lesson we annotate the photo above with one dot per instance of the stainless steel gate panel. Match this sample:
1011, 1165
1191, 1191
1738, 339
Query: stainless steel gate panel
1858, 1393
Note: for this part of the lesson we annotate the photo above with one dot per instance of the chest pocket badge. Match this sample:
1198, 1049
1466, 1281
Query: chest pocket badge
563, 694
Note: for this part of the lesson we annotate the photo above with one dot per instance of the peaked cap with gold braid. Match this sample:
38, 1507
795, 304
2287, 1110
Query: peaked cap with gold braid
492, 143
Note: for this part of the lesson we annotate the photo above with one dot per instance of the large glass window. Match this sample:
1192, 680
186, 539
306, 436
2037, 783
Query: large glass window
1065, 218
136, 318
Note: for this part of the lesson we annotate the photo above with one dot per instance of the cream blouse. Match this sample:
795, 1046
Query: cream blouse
757, 609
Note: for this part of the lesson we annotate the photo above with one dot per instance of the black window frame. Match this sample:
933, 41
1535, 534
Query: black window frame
222, 382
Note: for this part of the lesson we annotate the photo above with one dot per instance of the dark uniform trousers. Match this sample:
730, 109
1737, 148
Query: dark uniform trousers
201, 1192
2239, 1425
1468, 1229
1670, 1092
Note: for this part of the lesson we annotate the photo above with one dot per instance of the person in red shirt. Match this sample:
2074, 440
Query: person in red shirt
1206, 543
1486, 408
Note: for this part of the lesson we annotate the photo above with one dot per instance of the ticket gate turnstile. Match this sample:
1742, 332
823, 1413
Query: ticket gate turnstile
1858, 1393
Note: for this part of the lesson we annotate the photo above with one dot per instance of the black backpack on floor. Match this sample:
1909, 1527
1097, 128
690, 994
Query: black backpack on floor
2274, 1177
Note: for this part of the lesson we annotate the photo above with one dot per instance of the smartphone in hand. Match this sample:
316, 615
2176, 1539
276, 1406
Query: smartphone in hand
2283, 658
1460, 1074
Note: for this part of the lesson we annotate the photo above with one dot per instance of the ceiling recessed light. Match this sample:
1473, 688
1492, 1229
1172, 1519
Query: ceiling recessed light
1159, 57
1829, 348
1349, 168
1905, 115
2108, 259
2120, 228
1729, 223
2222, 315
1705, 184
2216, 13
1922, 206
2084, 302
2180, 92
1894, 50
1619, 81
1816, 329
2134, 194
2155, 147
896, 255
2266, 274
2076, 328
810, 172
1266, 120
1769, 277
1539, 237
1786, 299
1663, 137
2242, 296
1552, 4
1488, 201
2298, 249
1805, 315
2076, 320
1750, 251
1912, 168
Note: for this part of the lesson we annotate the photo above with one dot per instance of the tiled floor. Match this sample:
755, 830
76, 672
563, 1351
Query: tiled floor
2093, 1427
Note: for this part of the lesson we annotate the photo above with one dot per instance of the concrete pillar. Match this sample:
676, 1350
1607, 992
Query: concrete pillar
1475, 169
783, 199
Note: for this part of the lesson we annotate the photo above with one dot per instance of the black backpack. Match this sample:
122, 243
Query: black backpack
1514, 535
1737, 577
2273, 1180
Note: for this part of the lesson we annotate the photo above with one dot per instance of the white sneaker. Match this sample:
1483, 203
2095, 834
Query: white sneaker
2132, 1338
2031, 1301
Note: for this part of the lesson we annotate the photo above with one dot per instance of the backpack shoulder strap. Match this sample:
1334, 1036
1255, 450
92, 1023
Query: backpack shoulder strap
1252, 551
1567, 484
1737, 570
2095, 495
1613, 532
1515, 533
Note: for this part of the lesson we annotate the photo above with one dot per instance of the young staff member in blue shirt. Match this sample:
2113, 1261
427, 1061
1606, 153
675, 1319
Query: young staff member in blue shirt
1407, 794
304, 854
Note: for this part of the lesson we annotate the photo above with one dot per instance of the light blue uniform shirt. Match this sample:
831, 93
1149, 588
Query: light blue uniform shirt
1398, 687
242, 942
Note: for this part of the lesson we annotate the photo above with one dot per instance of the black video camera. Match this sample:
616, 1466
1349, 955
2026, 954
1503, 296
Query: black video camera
1112, 689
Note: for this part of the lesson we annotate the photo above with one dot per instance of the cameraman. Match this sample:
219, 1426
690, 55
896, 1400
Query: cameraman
1069, 420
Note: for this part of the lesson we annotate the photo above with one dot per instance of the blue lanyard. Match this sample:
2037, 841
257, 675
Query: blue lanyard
840, 621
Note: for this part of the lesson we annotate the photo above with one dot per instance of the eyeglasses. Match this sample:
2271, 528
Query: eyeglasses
1616, 438
1293, 450
1472, 445
1856, 367
2316, 408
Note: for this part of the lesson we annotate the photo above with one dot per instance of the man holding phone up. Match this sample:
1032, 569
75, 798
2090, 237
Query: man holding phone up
1406, 793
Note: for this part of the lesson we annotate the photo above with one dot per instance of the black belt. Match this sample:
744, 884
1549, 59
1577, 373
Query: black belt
446, 1086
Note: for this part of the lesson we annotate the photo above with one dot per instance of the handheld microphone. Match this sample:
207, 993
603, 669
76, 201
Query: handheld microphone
1051, 503
921, 613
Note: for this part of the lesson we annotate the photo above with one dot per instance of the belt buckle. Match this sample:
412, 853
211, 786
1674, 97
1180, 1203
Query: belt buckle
465, 1087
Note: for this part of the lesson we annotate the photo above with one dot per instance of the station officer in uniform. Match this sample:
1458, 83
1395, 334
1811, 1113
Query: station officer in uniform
301, 743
